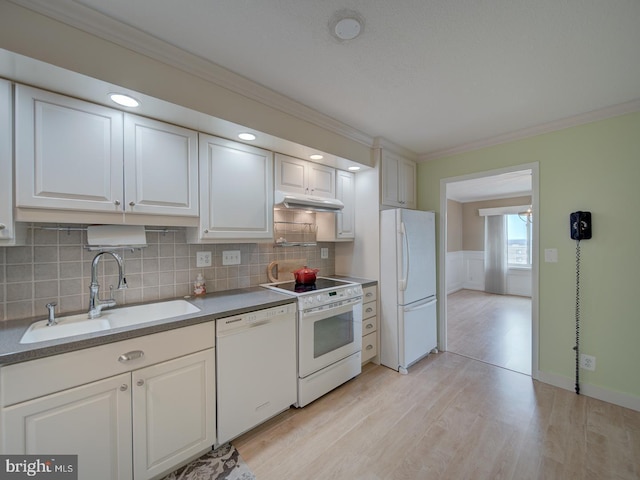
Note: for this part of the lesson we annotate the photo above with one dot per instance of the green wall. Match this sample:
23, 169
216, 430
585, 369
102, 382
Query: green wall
593, 167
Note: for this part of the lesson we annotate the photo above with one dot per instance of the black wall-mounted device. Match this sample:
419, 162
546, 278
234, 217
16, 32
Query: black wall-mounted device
580, 224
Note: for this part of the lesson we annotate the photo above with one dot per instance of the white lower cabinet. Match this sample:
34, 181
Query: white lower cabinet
92, 421
138, 424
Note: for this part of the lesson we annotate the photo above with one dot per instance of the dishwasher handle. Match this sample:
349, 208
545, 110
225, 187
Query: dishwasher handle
241, 324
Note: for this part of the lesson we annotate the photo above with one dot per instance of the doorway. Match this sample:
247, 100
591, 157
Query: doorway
472, 322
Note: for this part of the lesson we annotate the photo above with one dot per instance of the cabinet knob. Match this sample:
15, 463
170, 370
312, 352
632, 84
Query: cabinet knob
206, 231
123, 387
116, 203
140, 382
369, 325
369, 294
369, 310
132, 204
2, 226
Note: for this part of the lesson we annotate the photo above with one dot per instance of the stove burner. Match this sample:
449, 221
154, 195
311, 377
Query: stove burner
304, 287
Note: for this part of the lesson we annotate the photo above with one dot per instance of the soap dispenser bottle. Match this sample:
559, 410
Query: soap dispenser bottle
199, 287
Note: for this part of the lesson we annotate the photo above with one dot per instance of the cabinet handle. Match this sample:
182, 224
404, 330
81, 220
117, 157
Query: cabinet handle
132, 204
369, 325
140, 382
116, 203
123, 387
2, 226
369, 347
133, 355
369, 294
369, 309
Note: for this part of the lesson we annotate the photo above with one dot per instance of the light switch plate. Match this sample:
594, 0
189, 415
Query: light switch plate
231, 257
551, 255
324, 253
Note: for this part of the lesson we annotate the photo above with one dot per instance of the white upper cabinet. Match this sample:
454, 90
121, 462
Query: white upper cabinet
8, 233
161, 167
68, 153
340, 226
304, 178
79, 156
236, 192
398, 181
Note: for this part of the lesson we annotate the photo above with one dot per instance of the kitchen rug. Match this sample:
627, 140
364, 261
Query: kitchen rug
224, 463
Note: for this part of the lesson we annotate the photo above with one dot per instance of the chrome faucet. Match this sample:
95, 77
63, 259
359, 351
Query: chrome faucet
95, 304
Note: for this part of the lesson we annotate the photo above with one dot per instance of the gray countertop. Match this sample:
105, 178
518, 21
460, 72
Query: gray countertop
212, 306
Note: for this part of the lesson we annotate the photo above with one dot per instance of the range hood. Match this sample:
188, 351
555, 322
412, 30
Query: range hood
307, 202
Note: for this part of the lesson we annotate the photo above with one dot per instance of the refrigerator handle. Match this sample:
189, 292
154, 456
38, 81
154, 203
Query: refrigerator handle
420, 305
405, 258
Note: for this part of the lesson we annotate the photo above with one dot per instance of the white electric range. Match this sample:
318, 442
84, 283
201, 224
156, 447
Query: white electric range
329, 334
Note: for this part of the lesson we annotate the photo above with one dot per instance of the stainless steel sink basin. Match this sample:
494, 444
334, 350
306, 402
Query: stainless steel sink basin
72, 325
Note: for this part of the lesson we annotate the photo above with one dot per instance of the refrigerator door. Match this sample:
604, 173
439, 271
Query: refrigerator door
419, 332
416, 256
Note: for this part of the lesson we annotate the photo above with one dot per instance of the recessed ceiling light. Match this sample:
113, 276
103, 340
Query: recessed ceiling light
246, 136
124, 100
346, 24
316, 157
354, 168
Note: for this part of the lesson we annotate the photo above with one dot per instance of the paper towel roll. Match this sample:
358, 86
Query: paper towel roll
116, 236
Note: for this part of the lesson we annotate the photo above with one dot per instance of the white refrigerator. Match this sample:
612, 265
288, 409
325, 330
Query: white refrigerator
407, 287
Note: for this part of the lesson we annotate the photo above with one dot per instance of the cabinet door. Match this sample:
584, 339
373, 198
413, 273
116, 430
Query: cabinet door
173, 413
408, 184
322, 180
6, 164
236, 190
161, 168
346, 192
291, 175
68, 153
92, 421
398, 181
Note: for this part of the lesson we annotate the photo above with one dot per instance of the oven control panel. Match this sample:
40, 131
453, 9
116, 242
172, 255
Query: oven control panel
330, 296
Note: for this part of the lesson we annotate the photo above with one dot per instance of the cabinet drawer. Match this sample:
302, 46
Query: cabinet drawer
370, 294
369, 325
369, 310
369, 346
26, 380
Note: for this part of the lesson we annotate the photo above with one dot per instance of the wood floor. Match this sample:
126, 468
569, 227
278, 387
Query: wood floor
451, 417
492, 328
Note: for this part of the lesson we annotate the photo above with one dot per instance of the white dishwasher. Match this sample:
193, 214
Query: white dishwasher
256, 368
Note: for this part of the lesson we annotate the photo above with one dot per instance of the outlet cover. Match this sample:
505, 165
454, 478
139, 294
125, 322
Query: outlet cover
587, 362
203, 259
324, 253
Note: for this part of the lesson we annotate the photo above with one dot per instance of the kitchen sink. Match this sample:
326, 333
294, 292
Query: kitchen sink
66, 327
79, 324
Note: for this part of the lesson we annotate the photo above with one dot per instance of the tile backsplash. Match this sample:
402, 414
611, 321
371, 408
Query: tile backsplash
55, 266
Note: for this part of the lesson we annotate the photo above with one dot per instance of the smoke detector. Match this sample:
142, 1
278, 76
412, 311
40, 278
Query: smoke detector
346, 25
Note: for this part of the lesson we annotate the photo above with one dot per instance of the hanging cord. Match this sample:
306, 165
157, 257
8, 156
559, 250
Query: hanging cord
577, 347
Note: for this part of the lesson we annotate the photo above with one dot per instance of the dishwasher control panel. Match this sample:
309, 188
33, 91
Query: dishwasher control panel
254, 318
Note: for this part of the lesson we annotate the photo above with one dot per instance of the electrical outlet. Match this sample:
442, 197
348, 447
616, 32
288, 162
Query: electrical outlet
203, 259
324, 253
231, 257
587, 362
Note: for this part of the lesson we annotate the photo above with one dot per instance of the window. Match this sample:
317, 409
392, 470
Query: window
518, 242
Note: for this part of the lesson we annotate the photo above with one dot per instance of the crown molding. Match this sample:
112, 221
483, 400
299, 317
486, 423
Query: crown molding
93, 22
384, 144
573, 121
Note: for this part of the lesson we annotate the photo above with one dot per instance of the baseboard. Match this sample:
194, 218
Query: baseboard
611, 396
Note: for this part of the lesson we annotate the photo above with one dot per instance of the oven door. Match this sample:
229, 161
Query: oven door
327, 335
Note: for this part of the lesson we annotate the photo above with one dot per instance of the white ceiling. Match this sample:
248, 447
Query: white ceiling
432, 76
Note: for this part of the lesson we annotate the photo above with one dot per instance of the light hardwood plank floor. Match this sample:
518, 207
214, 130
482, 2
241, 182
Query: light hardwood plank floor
451, 417
492, 328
